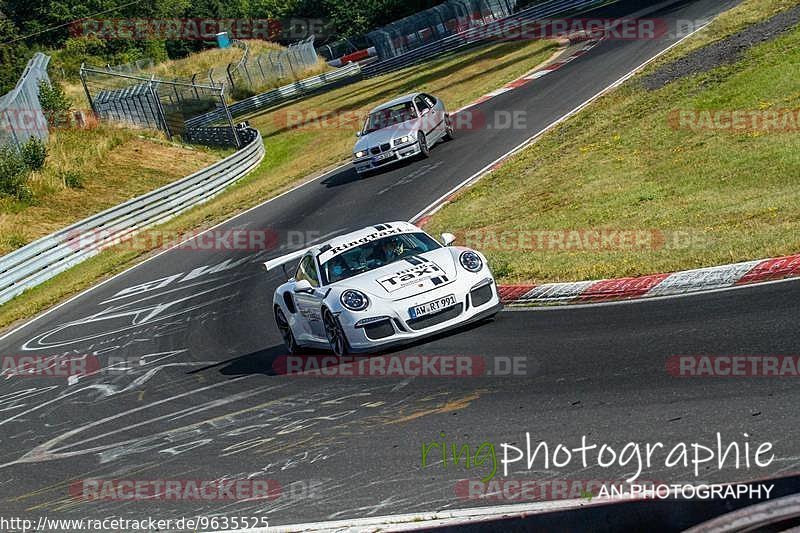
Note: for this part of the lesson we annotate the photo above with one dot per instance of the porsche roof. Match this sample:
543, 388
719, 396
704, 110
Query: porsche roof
339, 244
344, 242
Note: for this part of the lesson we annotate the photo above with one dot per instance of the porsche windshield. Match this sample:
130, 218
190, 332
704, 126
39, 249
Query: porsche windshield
389, 116
375, 254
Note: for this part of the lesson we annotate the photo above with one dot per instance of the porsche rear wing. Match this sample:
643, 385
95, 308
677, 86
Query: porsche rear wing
272, 264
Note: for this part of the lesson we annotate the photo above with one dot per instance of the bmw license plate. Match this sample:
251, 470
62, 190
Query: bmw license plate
432, 307
381, 157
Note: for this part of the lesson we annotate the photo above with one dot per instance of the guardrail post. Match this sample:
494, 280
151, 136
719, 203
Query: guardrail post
230, 118
159, 107
82, 74
196, 94
230, 76
261, 68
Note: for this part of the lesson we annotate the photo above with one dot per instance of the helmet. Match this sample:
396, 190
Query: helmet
394, 246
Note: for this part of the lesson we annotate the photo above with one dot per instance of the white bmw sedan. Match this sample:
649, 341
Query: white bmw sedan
403, 128
383, 285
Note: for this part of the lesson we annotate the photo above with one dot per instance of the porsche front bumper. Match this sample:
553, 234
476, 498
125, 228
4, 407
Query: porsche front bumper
390, 325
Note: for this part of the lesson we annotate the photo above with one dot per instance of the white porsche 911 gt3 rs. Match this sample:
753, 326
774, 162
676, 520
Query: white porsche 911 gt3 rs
383, 285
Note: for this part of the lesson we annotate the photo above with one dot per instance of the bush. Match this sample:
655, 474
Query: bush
72, 179
13, 174
55, 104
33, 153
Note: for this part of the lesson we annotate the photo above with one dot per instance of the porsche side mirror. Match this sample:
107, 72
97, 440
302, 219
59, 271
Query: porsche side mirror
448, 239
303, 286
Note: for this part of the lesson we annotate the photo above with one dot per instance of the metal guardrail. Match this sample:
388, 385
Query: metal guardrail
478, 34
435, 23
286, 93
21, 115
354, 72
44, 258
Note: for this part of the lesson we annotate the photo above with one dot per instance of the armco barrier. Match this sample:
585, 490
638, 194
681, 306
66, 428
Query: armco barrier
353, 72
21, 115
42, 259
286, 93
479, 34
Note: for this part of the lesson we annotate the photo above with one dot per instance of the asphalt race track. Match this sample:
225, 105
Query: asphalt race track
205, 403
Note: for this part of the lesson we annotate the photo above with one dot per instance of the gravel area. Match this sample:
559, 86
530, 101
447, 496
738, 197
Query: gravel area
725, 51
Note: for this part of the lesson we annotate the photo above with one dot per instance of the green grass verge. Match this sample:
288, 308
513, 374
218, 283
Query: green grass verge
293, 154
714, 196
89, 170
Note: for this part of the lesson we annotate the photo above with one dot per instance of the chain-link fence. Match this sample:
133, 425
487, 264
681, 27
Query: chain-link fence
164, 105
427, 26
258, 72
21, 115
134, 67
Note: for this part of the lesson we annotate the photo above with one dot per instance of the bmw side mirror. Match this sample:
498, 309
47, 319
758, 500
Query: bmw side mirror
303, 286
448, 239
358, 134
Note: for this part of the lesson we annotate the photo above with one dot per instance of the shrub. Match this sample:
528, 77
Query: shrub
33, 153
72, 179
13, 174
55, 104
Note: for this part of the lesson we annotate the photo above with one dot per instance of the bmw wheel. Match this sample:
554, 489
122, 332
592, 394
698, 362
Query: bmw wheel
286, 331
424, 149
335, 334
450, 131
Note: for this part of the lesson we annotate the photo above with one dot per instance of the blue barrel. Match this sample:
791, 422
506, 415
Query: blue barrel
223, 40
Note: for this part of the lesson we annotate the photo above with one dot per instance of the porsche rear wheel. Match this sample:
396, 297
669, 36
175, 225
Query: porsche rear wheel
335, 334
286, 331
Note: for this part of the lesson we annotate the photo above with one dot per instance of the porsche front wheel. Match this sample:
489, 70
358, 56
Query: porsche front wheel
335, 334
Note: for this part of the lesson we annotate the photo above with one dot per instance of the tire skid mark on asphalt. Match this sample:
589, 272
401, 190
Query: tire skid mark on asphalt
423, 170
455, 404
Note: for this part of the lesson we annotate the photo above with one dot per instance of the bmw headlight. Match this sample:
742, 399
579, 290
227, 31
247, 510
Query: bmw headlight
471, 261
360, 154
354, 300
402, 140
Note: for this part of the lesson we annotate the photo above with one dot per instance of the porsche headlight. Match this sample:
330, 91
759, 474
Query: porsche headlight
402, 140
471, 261
354, 300
360, 154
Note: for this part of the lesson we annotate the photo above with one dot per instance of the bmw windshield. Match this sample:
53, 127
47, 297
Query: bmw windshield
376, 254
389, 116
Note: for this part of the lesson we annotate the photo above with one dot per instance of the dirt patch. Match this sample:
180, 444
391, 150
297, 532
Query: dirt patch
723, 52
